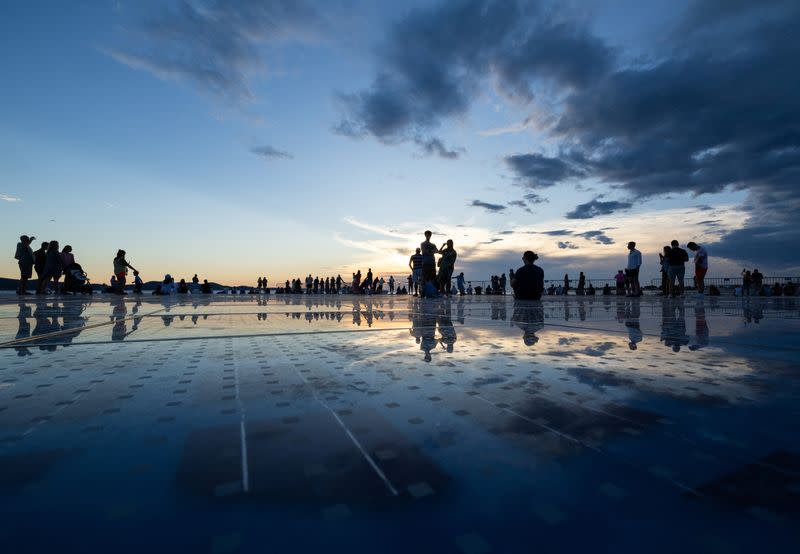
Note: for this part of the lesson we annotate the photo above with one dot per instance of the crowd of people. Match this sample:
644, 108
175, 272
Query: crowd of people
430, 276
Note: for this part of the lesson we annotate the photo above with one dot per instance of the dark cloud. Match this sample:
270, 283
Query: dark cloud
433, 63
215, 45
492, 241
487, 206
598, 236
435, 147
506, 233
533, 198
567, 245
597, 207
537, 171
556, 233
520, 204
270, 153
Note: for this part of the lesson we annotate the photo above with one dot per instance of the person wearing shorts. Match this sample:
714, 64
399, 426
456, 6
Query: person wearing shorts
428, 251
677, 270
700, 265
121, 266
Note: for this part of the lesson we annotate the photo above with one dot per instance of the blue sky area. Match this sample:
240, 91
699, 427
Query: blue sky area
238, 138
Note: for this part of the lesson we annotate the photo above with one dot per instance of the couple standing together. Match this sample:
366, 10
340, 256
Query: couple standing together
424, 267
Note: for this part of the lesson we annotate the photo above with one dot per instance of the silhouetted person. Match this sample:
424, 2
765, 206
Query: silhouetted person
446, 266
205, 288
137, 283
183, 288
677, 270
25, 260
700, 265
566, 284
502, 282
53, 268
428, 251
39, 257
121, 266
528, 283
581, 284
632, 269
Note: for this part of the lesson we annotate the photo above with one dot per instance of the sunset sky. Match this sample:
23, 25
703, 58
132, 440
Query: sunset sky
238, 138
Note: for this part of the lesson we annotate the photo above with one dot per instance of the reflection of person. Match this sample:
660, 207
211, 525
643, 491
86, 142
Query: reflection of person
446, 329
528, 316
673, 324
118, 316
528, 282
632, 315
23, 328
423, 327
25, 259
701, 330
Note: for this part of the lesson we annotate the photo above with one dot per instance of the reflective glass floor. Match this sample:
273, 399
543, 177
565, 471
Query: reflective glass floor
316, 424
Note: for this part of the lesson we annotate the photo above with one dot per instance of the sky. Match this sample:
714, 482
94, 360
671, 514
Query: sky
241, 138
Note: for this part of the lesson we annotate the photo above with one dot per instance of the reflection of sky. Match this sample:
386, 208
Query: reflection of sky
104, 156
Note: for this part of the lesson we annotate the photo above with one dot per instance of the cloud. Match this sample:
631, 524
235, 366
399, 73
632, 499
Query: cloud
269, 153
567, 245
556, 233
537, 171
519, 204
434, 62
487, 206
215, 46
596, 208
533, 198
435, 147
9, 198
597, 236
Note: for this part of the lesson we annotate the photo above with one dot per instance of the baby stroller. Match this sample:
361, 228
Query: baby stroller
76, 281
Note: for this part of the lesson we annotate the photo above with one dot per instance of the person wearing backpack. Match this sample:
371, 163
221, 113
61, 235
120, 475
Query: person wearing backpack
24, 257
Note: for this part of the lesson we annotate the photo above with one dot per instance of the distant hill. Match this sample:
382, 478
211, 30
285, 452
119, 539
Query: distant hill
11, 284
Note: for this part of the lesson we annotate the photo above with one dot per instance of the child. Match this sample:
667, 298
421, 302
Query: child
137, 283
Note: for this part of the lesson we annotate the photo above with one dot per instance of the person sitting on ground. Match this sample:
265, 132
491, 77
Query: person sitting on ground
205, 288
183, 288
167, 285
606, 290
591, 290
528, 283
469, 288
619, 278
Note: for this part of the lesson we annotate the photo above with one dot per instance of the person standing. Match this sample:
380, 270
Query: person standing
446, 266
39, 257
747, 280
528, 282
121, 267
25, 259
502, 282
415, 265
391, 284
700, 265
632, 269
428, 251
581, 284
460, 283
53, 268
677, 270
67, 257
137, 283
566, 284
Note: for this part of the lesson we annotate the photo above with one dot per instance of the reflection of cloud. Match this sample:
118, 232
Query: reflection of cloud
8, 198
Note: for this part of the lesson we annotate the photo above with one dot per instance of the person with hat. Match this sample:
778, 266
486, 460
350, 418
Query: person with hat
528, 282
24, 257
